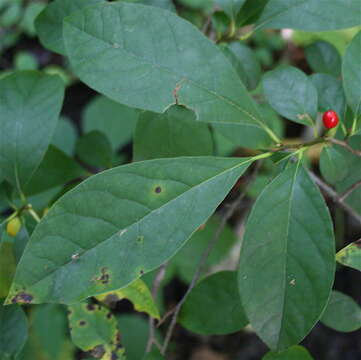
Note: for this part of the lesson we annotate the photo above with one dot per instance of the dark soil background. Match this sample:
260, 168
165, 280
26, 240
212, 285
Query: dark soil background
323, 343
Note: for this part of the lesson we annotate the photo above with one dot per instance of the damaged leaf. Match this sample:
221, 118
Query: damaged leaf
138, 293
93, 328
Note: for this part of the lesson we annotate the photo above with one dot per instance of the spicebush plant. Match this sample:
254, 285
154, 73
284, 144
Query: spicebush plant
86, 227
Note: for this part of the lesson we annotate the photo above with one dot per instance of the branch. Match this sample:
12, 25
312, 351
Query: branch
335, 197
156, 285
348, 192
228, 214
344, 145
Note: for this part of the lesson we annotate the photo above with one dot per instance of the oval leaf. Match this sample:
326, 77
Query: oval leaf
213, 307
289, 236
310, 15
119, 224
30, 103
292, 94
342, 313
153, 74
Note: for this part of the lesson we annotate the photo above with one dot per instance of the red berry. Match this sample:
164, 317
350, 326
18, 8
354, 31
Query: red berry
330, 119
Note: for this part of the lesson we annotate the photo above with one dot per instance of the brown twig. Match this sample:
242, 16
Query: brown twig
335, 197
227, 215
344, 145
156, 285
348, 192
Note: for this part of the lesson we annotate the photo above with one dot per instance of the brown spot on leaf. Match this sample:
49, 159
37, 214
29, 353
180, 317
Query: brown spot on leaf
90, 307
158, 189
98, 352
141, 272
82, 323
22, 298
117, 337
104, 277
109, 315
111, 299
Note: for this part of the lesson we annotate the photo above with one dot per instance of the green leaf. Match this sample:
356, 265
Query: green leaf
250, 66
330, 93
292, 94
153, 355
310, 15
154, 74
7, 264
293, 353
20, 241
56, 169
65, 135
138, 293
230, 7
95, 149
31, 11
127, 221
342, 313
351, 73
289, 235
251, 11
49, 23
185, 262
25, 61
164, 4
134, 335
350, 255
343, 169
116, 121
93, 328
13, 330
168, 135
51, 336
30, 103
331, 159
324, 58
213, 307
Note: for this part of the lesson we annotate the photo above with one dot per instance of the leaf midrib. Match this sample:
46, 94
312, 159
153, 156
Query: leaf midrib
285, 287
138, 221
257, 121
